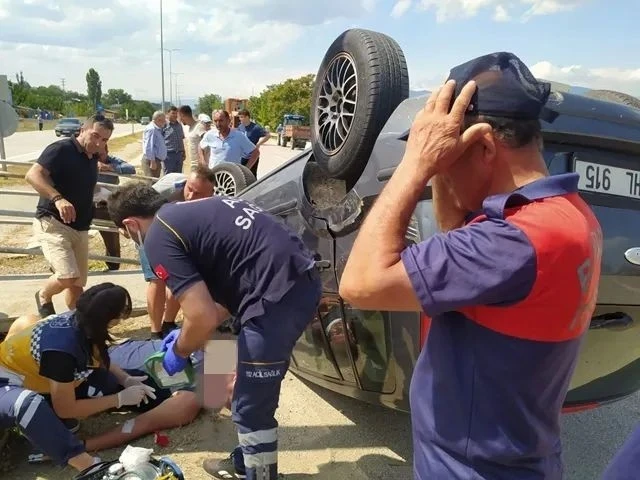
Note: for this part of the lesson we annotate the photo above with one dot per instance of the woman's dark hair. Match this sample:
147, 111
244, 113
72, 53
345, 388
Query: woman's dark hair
96, 308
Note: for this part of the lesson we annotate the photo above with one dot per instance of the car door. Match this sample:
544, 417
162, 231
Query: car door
609, 364
280, 194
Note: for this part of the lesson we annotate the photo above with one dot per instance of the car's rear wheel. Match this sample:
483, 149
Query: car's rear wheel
231, 179
362, 79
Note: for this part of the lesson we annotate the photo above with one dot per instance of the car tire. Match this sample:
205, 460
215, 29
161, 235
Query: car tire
361, 81
231, 178
616, 97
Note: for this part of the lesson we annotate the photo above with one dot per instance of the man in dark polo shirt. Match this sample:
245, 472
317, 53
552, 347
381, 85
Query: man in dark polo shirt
224, 256
65, 176
510, 288
254, 132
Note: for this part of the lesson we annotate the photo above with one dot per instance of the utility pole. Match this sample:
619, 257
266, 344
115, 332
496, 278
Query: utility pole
176, 80
63, 99
162, 56
171, 50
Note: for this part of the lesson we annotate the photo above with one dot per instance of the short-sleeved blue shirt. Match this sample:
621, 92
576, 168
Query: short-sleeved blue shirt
253, 131
510, 296
244, 255
233, 148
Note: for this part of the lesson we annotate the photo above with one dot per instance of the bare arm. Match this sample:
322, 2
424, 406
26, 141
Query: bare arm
38, 177
202, 315
66, 405
374, 271
117, 372
253, 158
264, 139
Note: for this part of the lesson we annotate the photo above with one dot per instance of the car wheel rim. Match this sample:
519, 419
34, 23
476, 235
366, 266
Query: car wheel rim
336, 106
225, 184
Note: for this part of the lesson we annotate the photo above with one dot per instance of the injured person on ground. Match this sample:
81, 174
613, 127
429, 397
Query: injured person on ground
100, 390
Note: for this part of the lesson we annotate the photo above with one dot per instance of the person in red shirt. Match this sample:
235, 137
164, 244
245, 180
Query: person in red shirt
510, 283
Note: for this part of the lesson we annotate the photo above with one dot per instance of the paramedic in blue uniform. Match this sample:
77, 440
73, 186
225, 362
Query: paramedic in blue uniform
509, 289
222, 256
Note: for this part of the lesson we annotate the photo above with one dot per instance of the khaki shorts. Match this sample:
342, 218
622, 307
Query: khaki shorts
66, 249
146, 168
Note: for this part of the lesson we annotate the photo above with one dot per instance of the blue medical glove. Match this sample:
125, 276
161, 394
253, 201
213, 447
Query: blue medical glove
170, 338
172, 362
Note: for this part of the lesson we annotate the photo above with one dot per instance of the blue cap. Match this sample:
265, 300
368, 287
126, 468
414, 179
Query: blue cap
506, 88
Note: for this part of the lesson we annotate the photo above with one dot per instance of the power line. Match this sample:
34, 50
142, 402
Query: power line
62, 80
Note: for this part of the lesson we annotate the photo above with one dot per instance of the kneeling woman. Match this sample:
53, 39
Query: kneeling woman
55, 357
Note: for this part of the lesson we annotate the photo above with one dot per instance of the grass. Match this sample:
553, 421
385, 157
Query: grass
114, 146
31, 125
119, 143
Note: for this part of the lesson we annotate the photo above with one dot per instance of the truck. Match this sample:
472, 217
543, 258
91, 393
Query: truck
293, 129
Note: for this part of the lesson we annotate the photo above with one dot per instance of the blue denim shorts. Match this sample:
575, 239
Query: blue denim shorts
147, 271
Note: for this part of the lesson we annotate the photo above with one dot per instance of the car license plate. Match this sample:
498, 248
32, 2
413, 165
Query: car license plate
595, 177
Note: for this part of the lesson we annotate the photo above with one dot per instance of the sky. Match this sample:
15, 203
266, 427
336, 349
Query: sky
236, 48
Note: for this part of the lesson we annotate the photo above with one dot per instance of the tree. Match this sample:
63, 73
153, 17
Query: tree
116, 96
19, 89
210, 102
291, 96
94, 88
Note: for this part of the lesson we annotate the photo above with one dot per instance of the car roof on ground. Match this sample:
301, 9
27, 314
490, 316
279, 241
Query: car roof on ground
581, 115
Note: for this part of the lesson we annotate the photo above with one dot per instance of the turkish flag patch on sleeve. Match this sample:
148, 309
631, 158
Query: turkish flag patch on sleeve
162, 273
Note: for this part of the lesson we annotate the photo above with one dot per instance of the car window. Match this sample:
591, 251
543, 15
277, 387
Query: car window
368, 332
311, 351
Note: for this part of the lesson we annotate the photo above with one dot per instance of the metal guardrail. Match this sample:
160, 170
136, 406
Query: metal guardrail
111, 174
100, 225
38, 251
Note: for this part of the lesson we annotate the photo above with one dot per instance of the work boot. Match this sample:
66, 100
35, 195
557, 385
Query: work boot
227, 469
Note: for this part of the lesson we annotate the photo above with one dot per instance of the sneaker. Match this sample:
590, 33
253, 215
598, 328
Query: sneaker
72, 424
155, 336
223, 469
44, 309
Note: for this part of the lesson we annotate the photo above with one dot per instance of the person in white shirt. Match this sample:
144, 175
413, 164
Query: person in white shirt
197, 129
225, 144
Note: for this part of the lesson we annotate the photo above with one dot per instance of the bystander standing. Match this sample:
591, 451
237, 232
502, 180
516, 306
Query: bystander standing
254, 132
224, 144
109, 164
65, 176
154, 150
174, 140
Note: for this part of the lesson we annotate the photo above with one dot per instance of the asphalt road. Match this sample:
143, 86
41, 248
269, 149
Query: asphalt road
26, 146
341, 438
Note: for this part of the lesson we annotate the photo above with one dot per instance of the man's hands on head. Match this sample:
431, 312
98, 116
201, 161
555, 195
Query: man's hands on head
435, 140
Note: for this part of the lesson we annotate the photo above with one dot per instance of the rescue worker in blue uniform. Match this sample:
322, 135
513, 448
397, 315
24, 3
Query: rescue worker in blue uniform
510, 283
59, 368
225, 256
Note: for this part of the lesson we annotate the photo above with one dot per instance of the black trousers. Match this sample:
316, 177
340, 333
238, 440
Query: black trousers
253, 169
111, 239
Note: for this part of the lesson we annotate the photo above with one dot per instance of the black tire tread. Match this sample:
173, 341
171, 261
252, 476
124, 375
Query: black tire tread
384, 88
241, 174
